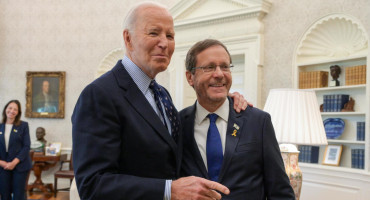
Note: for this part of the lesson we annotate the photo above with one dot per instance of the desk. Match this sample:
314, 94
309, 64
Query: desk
43, 163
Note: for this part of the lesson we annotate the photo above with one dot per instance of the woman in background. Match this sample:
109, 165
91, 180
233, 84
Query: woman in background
15, 161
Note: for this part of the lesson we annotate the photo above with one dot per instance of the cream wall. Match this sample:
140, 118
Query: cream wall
285, 25
74, 35
68, 35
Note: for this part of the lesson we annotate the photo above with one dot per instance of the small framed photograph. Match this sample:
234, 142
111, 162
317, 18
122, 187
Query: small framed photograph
53, 149
332, 155
45, 94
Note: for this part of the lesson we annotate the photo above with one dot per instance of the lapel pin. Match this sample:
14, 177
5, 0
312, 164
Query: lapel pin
1, 133
236, 126
15, 130
234, 133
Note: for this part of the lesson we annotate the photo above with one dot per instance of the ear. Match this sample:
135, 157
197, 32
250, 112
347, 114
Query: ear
189, 78
128, 39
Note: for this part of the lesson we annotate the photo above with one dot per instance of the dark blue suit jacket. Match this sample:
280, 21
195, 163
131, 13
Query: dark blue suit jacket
252, 167
19, 146
121, 149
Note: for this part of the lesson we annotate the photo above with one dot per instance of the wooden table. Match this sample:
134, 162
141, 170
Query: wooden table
43, 163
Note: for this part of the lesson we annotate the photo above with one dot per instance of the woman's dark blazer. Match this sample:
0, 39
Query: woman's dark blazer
19, 146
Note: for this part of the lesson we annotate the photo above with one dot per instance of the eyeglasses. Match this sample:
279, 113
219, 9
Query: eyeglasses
212, 68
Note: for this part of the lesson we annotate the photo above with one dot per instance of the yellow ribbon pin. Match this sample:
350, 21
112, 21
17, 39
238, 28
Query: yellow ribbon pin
15, 130
234, 133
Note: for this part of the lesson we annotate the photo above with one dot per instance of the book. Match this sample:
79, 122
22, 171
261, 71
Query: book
308, 154
313, 79
361, 158
360, 131
355, 75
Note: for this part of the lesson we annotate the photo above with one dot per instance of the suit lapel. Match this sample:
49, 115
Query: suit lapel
13, 133
2, 137
189, 131
234, 127
138, 101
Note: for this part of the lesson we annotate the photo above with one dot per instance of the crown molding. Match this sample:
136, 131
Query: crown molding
333, 36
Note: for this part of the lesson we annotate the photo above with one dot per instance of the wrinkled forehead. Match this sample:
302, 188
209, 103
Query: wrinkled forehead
152, 14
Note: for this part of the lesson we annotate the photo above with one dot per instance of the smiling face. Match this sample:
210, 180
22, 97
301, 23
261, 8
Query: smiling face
211, 88
151, 43
11, 112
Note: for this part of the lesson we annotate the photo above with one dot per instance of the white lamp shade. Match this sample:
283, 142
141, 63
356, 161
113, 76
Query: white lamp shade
296, 117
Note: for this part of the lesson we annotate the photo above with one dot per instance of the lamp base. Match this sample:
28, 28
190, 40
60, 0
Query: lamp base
290, 153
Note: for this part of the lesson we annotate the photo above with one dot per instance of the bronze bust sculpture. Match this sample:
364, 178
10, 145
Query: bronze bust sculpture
334, 72
40, 134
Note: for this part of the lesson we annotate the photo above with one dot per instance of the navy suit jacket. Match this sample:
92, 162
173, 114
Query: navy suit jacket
121, 149
252, 167
19, 146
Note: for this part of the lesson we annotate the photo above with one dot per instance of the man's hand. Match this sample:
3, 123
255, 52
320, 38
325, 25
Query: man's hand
239, 102
196, 188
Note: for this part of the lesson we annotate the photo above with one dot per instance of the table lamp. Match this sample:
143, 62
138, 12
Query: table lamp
296, 118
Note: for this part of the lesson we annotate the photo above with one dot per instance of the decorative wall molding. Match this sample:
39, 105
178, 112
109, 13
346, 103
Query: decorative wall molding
214, 14
333, 36
237, 24
222, 18
109, 61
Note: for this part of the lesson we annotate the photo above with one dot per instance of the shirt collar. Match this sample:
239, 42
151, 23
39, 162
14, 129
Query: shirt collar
140, 78
222, 112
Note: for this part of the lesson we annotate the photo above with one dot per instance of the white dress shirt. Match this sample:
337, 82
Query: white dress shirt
201, 126
8, 130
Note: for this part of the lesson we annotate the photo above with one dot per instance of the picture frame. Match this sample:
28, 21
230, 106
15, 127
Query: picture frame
332, 155
53, 149
45, 94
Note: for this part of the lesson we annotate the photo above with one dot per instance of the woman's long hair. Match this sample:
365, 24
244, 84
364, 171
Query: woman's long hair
17, 120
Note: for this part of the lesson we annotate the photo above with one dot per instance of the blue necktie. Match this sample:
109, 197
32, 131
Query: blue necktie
214, 149
160, 95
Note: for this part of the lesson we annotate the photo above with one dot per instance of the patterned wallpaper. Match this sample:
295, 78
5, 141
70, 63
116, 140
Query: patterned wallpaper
74, 35
68, 35
285, 25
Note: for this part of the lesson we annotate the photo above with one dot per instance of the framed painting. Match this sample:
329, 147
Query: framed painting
332, 155
45, 94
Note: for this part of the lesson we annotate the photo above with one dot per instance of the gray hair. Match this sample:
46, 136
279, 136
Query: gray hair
131, 17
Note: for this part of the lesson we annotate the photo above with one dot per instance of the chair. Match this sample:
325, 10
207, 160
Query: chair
67, 174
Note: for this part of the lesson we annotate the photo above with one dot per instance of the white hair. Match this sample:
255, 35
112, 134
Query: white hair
129, 22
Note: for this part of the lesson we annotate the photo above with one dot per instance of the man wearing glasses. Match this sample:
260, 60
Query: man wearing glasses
238, 150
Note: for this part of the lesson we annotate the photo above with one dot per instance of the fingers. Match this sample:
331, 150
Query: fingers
236, 97
216, 186
245, 104
197, 188
240, 103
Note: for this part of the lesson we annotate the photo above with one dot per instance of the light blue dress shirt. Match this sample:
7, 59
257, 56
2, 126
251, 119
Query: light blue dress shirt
142, 81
